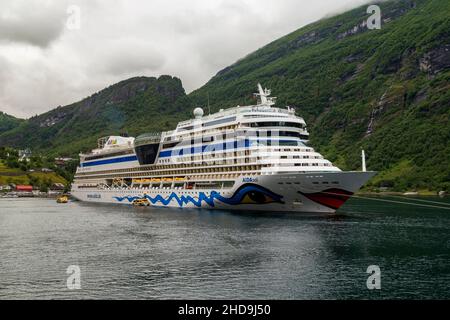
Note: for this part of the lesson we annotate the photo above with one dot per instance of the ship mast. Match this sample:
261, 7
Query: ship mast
264, 96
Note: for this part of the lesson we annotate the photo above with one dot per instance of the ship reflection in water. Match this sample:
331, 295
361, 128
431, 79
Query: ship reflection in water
126, 252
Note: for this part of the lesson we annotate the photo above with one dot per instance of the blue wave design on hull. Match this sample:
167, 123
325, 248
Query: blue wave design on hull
181, 200
239, 197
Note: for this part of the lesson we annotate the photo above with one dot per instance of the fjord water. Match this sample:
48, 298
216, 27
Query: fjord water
153, 253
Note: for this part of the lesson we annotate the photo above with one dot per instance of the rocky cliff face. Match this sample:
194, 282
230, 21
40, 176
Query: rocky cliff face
436, 60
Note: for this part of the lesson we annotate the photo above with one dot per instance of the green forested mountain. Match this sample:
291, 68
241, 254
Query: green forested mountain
132, 106
387, 91
8, 122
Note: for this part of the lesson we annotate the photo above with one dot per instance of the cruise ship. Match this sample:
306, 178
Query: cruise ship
243, 158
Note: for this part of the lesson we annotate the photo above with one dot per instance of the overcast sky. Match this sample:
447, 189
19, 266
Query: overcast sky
46, 60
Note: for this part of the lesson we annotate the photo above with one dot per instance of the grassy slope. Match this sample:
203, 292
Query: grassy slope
17, 176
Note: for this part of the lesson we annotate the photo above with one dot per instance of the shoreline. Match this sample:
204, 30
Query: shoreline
41, 196
399, 193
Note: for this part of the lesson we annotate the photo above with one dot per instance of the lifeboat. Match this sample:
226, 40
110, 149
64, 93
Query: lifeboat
141, 203
62, 199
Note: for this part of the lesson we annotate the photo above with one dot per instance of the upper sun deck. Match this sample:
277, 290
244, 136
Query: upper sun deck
264, 106
238, 111
110, 144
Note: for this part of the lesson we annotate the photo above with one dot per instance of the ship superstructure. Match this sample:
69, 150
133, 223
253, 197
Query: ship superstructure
247, 158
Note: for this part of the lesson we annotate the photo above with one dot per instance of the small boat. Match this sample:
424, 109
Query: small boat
141, 203
62, 199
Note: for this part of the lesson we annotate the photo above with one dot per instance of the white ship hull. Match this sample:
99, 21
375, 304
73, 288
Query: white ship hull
315, 192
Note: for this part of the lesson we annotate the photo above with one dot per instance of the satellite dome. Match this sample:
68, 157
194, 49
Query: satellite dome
198, 113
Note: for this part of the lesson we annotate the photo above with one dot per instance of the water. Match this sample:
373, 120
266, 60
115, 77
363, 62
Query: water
128, 253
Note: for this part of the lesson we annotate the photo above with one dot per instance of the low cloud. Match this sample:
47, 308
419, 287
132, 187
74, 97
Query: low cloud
31, 22
44, 64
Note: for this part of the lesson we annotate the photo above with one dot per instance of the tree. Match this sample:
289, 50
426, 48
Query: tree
44, 187
34, 181
12, 162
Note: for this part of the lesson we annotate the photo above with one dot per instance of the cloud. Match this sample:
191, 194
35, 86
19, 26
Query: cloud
44, 64
31, 22
4, 71
123, 56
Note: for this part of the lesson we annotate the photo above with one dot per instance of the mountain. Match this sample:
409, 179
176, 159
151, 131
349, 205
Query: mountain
132, 106
8, 122
386, 91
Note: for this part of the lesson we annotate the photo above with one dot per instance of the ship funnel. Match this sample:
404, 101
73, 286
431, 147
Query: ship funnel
363, 159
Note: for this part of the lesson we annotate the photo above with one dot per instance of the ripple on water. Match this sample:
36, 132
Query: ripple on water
153, 253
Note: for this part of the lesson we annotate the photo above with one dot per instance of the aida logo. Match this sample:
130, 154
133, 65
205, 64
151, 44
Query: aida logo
248, 179
112, 141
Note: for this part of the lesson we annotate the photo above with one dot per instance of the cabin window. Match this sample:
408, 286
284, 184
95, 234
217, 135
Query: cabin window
228, 184
219, 121
276, 124
170, 145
